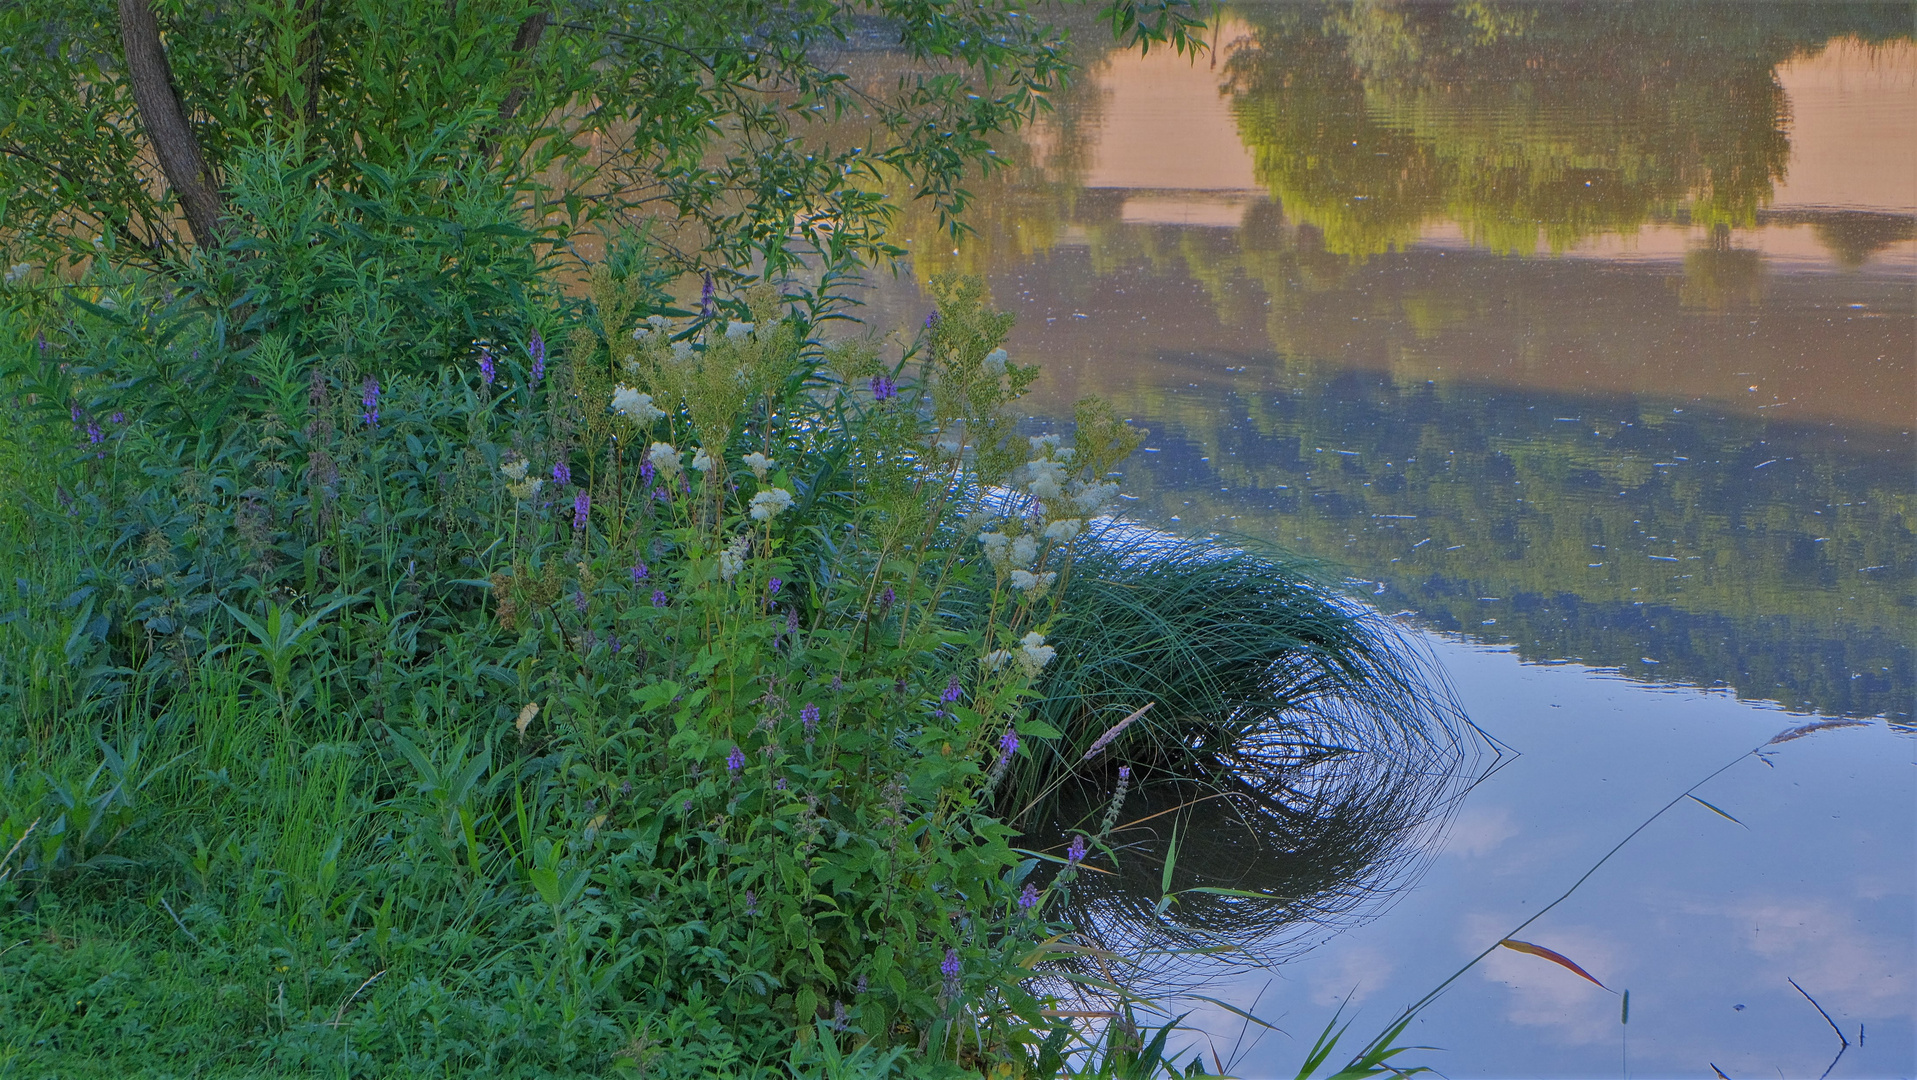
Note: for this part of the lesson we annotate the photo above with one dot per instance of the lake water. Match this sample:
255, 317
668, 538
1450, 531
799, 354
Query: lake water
1582, 339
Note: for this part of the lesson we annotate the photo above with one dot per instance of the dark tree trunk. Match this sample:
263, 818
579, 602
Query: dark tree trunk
166, 125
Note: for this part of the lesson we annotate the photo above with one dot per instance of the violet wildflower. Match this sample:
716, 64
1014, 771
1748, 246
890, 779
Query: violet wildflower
779, 784
1124, 772
561, 473
772, 587
686, 807
809, 716
369, 397
119, 418
1007, 744
1076, 852
707, 293
952, 691
640, 571
581, 506
94, 433
612, 642
659, 598
74, 411
752, 903
791, 620
838, 684
887, 598
931, 320
625, 789
951, 967
579, 603
883, 388
536, 348
735, 761
486, 372
1028, 899
645, 471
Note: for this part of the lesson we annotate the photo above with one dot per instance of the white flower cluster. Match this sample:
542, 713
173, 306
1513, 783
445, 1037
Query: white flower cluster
769, 503
702, 462
18, 271
760, 465
736, 330
665, 458
629, 402
1032, 655
655, 324
514, 470
733, 558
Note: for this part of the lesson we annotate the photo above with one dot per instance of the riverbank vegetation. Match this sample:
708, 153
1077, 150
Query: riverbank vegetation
432, 651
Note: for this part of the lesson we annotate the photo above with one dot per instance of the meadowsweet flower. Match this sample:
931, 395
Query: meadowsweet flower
1026, 581
1034, 654
733, 558
1042, 443
883, 388
658, 322
1048, 478
665, 458
1076, 852
682, 351
1063, 529
631, 403
759, 464
995, 361
1024, 552
735, 761
996, 545
1093, 499
369, 398
641, 333
581, 506
736, 330
561, 473
1028, 899
659, 598
769, 503
640, 571
536, 348
486, 371
994, 660
701, 461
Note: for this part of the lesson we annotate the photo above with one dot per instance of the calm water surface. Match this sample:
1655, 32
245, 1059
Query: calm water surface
1581, 338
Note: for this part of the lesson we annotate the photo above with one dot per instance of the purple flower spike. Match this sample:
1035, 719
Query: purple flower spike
94, 434
561, 473
735, 761
809, 716
951, 966
74, 411
772, 587
579, 602
486, 371
1008, 743
707, 293
640, 571
645, 471
659, 598
536, 348
952, 691
931, 320
752, 903
1124, 772
581, 506
1076, 851
779, 784
119, 418
1028, 899
686, 807
369, 397
883, 388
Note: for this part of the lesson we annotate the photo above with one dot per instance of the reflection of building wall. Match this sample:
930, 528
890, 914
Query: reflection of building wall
1853, 127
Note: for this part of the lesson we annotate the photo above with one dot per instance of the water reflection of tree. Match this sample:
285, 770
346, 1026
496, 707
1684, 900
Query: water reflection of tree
1522, 121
